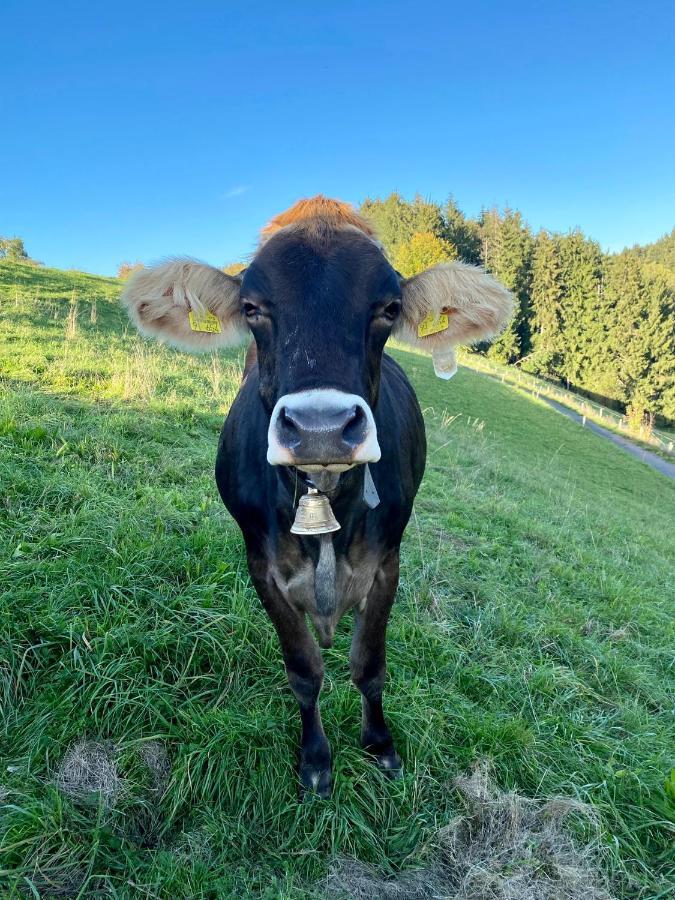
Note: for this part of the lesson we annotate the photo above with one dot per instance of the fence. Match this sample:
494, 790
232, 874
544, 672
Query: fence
588, 409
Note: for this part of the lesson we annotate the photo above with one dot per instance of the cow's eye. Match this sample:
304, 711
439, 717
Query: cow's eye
251, 311
391, 310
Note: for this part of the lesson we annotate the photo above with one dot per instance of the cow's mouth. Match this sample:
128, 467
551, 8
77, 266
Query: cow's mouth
326, 467
323, 479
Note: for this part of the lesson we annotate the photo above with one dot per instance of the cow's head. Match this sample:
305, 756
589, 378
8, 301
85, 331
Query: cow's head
321, 300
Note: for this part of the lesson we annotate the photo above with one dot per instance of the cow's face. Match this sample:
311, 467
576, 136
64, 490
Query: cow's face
320, 300
320, 310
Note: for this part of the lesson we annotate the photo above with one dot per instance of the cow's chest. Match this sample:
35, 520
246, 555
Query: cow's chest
295, 576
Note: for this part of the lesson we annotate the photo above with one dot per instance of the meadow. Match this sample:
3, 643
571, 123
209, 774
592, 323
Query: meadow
534, 628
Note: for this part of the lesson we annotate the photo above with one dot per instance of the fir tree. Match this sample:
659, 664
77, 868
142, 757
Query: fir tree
585, 328
641, 335
546, 305
506, 252
657, 336
463, 233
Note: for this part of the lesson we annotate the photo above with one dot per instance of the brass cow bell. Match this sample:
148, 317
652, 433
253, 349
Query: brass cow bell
314, 515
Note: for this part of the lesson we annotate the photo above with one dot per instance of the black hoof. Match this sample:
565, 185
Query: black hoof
314, 781
386, 758
389, 763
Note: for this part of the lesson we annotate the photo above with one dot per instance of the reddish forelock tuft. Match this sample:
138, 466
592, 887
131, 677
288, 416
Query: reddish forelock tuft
333, 213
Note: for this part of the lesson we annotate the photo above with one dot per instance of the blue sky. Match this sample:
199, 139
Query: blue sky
136, 131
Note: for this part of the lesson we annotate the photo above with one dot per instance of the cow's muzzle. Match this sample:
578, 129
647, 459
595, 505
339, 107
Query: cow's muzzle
322, 429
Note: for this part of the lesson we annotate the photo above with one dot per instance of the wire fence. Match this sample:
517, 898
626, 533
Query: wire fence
586, 408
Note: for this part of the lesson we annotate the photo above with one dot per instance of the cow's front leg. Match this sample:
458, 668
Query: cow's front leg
368, 665
304, 668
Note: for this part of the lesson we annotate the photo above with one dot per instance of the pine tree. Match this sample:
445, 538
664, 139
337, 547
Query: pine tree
489, 226
506, 253
657, 336
585, 329
463, 233
546, 304
641, 335
661, 251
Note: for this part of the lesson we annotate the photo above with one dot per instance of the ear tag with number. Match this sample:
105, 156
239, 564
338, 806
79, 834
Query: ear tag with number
432, 324
205, 321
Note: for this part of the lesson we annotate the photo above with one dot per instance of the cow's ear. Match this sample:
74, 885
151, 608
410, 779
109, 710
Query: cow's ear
187, 304
453, 303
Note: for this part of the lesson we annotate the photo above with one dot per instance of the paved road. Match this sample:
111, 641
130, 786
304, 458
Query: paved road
645, 456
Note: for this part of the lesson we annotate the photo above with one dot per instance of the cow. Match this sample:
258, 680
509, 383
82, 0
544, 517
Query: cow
322, 409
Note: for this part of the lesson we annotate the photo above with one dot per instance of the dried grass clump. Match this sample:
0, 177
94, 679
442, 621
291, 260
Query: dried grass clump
351, 880
50, 876
88, 773
505, 847
156, 758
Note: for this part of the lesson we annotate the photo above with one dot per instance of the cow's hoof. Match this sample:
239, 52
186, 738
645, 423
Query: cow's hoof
390, 763
315, 781
386, 759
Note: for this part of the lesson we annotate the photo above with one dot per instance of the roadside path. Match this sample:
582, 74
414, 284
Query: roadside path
646, 456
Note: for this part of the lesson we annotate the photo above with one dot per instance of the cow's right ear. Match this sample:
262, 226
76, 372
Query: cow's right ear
187, 304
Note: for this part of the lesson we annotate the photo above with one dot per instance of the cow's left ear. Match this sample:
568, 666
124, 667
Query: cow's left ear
449, 304
187, 304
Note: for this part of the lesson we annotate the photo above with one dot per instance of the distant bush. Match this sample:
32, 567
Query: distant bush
234, 268
423, 250
125, 269
13, 249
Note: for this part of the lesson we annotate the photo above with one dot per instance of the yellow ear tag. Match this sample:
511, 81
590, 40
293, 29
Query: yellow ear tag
204, 322
432, 324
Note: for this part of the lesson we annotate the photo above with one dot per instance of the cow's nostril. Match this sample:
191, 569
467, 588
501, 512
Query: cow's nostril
354, 432
287, 430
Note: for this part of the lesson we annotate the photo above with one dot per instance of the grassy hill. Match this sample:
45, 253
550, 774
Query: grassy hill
534, 627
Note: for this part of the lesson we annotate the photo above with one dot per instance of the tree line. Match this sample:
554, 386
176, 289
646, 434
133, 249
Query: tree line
602, 324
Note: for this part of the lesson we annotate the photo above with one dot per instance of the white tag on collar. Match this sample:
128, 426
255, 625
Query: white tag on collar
370, 496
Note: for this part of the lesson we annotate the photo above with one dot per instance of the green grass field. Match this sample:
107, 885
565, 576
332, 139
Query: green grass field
533, 627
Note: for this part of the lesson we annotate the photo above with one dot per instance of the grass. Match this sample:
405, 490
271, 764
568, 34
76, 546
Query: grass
534, 627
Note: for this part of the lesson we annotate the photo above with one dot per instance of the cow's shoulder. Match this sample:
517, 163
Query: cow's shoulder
245, 480
398, 411
400, 429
